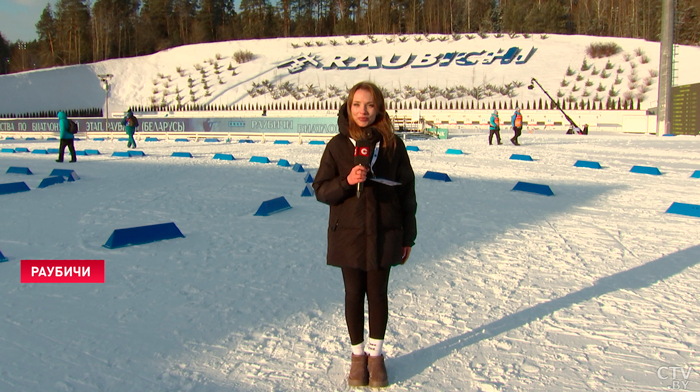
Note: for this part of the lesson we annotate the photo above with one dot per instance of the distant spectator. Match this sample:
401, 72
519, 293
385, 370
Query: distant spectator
585, 129
206, 125
494, 127
66, 138
264, 112
130, 122
517, 121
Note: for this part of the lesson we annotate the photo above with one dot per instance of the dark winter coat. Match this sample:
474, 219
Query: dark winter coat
367, 232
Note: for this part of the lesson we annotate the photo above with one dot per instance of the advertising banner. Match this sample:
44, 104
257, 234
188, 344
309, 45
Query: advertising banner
218, 124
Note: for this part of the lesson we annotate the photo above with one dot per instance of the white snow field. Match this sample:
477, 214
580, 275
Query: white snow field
592, 289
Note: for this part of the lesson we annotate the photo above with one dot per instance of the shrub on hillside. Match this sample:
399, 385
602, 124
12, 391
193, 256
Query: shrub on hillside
243, 56
585, 66
599, 50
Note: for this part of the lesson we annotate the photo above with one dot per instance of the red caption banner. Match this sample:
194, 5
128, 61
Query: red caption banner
62, 271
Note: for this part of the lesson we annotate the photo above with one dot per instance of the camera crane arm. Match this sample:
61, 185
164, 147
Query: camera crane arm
531, 86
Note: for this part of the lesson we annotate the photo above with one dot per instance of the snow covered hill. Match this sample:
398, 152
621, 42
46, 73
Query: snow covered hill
437, 70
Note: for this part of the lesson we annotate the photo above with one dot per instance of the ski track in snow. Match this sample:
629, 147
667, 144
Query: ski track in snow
592, 289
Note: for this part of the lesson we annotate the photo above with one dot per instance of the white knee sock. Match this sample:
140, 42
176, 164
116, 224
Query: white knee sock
374, 347
358, 349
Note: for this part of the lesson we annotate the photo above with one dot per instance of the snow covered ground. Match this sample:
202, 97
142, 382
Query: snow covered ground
593, 289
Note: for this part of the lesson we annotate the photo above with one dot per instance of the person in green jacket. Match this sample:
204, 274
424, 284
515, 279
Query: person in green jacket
66, 138
517, 121
494, 127
130, 122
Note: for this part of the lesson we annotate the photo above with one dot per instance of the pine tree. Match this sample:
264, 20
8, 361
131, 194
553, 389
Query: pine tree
73, 42
46, 29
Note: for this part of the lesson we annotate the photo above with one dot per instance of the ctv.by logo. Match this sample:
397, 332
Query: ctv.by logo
678, 376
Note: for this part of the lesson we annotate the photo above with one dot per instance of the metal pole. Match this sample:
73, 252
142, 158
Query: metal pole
663, 123
105, 79
107, 105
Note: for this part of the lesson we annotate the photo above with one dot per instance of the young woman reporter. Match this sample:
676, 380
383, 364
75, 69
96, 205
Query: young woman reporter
371, 230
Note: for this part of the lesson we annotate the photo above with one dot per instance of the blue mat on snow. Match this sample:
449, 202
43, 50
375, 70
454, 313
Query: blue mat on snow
142, 235
273, 206
259, 159
13, 187
654, 171
588, 164
48, 181
431, 175
308, 191
70, 175
684, 209
19, 170
533, 188
224, 157
520, 157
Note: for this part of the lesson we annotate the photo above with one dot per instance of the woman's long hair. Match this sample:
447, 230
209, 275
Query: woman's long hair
382, 122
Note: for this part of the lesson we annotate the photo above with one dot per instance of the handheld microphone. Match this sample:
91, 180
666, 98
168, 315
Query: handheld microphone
362, 157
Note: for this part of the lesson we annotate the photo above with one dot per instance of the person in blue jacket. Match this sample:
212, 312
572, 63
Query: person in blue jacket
66, 138
517, 121
494, 127
130, 122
